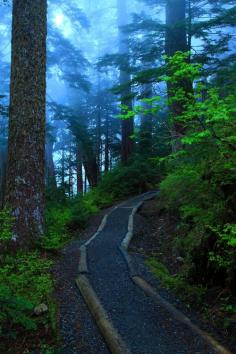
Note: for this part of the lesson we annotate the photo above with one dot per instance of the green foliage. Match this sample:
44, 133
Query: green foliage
24, 284
176, 283
138, 177
6, 221
57, 217
66, 218
224, 252
201, 178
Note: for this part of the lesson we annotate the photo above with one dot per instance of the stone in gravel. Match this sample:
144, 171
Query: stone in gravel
40, 309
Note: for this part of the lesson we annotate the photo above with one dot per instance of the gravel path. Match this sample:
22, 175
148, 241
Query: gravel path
146, 327
79, 334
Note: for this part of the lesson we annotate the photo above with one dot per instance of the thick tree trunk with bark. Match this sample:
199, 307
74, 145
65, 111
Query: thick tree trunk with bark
26, 159
128, 124
3, 162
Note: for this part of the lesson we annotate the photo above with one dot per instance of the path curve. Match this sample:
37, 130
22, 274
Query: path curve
144, 325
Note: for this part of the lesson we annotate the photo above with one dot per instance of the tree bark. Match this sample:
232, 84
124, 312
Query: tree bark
145, 145
90, 166
26, 151
63, 169
3, 163
98, 128
79, 170
107, 144
176, 41
70, 181
176, 29
127, 128
50, 168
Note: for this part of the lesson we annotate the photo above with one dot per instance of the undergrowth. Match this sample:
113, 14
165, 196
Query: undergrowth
65, 216
176, 282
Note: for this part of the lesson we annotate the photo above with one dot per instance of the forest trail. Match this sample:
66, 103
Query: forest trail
144, 325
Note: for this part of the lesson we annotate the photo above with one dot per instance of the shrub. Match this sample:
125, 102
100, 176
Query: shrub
25, 283
57, 235
123, 181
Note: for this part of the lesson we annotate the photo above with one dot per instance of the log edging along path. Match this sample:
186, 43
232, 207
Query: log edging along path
113, 339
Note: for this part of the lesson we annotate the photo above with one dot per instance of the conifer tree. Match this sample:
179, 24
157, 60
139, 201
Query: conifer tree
25, 181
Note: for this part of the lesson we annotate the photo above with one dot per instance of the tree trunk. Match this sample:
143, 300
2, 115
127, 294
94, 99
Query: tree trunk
127, 128
176, 31
85, 183
26, 157
63, 169
3, 162
70, 182
90, 166
98, 127
177, 41
50, 168
107, 145
146, 126
79, 171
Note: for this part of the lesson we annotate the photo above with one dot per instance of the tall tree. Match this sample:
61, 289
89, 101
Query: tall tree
176, 30
25, 182
176, 41
128, 124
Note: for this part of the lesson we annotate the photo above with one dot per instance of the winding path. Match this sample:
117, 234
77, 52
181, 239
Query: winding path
145, 326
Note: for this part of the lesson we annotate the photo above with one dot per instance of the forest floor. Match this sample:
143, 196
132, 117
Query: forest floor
145, 326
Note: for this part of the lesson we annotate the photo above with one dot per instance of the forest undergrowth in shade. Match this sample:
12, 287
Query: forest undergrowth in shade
84, 125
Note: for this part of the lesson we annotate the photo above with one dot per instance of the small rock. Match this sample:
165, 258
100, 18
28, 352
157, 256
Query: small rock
180, 259
39, 310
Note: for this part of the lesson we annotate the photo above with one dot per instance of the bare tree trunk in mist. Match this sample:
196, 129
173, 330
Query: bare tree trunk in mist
90, 166
79, 171
70, 182
146, 126
63, 168
85, 183
50, 168
176, 40
107, 144
98, 147
128, 124
26, 151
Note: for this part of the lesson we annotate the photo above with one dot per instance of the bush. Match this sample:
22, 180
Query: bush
201, 178
123, 181
57, 217
177, 283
